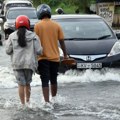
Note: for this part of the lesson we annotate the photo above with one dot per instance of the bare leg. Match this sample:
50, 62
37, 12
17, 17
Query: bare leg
27, 92
53, 90
21, 93
46, 93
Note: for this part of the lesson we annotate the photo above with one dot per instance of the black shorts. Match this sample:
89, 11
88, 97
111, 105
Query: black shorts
48, 71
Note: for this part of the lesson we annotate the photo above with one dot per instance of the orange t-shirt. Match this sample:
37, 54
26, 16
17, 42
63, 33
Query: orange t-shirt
49, 33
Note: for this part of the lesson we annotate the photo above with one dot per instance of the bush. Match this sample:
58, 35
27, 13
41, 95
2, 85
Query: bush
53, 2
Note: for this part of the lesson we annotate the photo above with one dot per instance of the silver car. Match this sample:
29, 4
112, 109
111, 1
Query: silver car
12, 13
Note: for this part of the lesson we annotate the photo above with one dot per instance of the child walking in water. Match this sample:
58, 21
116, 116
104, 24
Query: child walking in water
23, 46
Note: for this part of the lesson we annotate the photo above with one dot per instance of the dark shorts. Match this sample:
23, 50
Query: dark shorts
48, 71
23, 76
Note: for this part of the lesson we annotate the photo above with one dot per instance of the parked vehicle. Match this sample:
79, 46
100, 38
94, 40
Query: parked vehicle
15, 3
9, 25
2, 37
90, 41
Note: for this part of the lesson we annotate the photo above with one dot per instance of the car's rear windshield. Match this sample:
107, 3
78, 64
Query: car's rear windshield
85, 29
31, 13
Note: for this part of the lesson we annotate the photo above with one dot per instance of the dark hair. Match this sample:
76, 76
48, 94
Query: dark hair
21, 36
45, 15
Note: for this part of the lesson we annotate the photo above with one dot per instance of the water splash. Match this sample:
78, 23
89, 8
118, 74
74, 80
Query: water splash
8, 79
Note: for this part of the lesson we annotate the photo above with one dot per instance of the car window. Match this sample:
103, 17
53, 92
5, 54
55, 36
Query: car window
85, 28
12, 14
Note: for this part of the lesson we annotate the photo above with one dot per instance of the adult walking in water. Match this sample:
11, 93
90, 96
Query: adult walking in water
23, 46
49, 33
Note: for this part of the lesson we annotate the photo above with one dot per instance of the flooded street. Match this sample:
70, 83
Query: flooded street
82, 95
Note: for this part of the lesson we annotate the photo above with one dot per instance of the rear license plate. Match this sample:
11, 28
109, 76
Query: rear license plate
89, 65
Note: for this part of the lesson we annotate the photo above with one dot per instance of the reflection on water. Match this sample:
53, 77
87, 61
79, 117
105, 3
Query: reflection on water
73, 101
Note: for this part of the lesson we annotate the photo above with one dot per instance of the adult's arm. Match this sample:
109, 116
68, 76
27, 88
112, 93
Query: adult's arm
37, 46
63, 47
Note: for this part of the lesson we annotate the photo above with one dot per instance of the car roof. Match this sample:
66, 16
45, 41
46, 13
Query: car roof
17, 1
68, 16
14, 8
5, 1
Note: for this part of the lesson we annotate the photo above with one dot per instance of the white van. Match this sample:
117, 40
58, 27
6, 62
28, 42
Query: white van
15, 3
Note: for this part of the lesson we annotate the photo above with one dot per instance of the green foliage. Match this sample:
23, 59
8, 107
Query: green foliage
53, 2
62, 5
36, 3
67, 10
69, 6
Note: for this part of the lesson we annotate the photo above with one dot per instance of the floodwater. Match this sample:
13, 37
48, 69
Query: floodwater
82, 95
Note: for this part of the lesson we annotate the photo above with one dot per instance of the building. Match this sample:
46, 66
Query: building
110, 10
